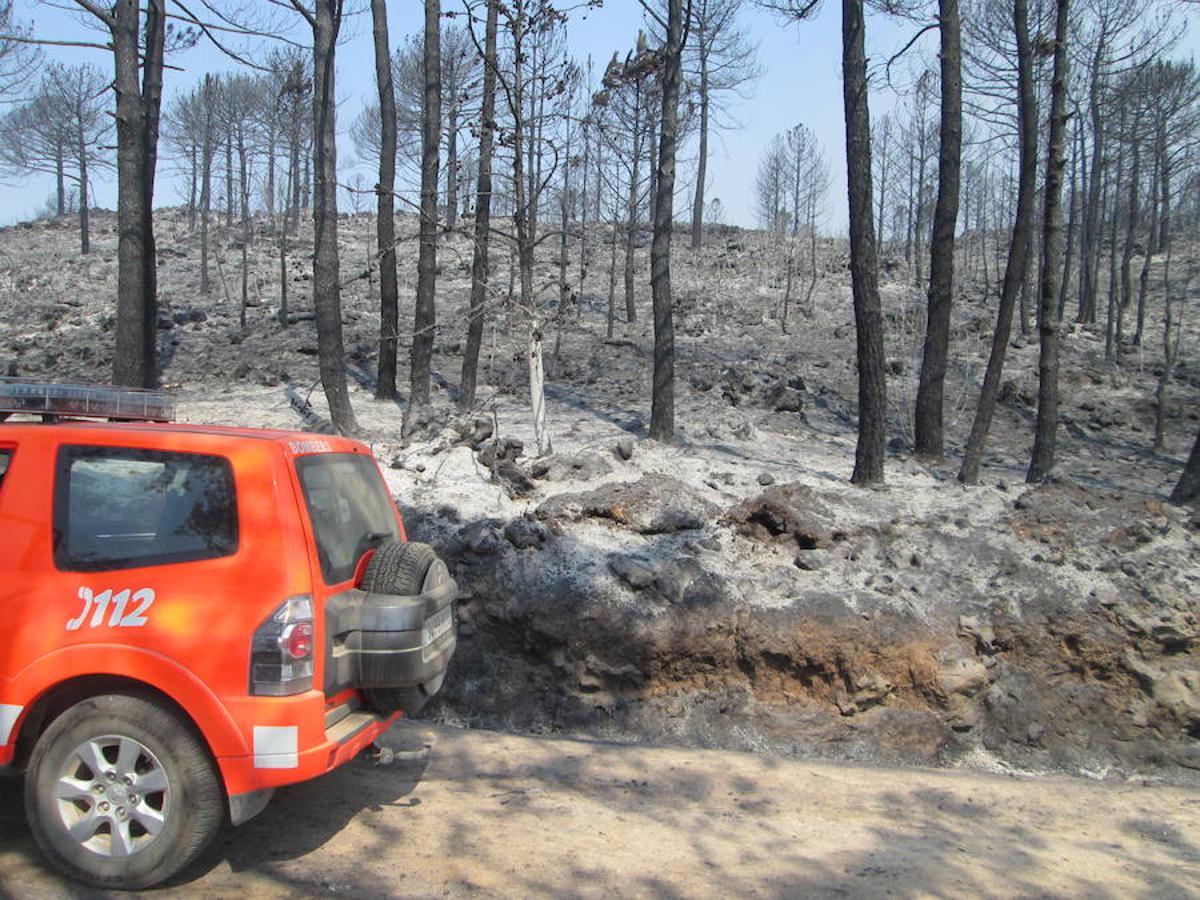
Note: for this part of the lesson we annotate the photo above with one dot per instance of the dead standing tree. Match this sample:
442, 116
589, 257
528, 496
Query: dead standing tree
385, 220
1042, 460
928, 418
665, 63
529, 86
324, 18
720, 61
864, 267
1018, 256
480, 269
138, 43
425, 312
65, 122
1188, 488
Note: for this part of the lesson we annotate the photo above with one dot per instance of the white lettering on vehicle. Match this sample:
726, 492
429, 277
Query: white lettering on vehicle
114, 607
309, 446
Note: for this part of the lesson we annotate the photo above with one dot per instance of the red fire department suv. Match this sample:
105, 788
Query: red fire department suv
193, 616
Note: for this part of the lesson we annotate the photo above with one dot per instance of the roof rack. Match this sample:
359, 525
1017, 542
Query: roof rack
54, 400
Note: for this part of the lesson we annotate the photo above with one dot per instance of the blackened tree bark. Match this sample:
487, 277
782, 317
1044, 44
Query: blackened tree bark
632, 217
207, 96
425, 316
483, 215
928, 433
1188, 488
137, 82
385, 221
868, 316
1089, 240
154, 45
662, 407
130, 365
326, 21
1018, 255
1042, 460
702, 159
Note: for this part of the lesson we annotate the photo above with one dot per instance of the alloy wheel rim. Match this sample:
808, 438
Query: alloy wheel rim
113, 796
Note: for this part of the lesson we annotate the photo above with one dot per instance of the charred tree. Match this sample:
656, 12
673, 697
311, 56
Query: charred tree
483, 213
326, 21
1188, 488
425, 314
929, 440
864, 272
1042, 460
662, 411
385, 221
1018, 248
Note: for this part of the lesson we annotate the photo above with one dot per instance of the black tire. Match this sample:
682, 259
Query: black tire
398, 568
191, 804
403, 569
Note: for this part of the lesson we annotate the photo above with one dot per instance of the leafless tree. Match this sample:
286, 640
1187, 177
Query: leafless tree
720, 61
1018, 258
425, 314
1111, 36
928, 432
460, 67
1042, 460
771, 187
18, 57
385, 221
325, 18
480, 264
63, 130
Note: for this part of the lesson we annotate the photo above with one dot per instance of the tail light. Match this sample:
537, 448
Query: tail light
281, 653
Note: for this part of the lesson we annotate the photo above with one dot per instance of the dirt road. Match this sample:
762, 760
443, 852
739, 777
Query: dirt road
465, 812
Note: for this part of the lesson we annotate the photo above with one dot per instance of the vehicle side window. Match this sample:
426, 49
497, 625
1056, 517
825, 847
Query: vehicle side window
5, 456
119, 507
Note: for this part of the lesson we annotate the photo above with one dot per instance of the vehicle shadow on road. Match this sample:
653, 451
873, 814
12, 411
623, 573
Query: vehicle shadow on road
299, 820
303, 818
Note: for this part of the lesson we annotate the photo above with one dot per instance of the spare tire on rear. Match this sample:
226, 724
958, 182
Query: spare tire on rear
406, 570
398, 568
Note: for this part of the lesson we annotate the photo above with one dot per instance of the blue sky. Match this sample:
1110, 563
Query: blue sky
801, 82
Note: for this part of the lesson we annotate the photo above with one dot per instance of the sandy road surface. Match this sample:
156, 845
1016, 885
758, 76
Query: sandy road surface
463, 812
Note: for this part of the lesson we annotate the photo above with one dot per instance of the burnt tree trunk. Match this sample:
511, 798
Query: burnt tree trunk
327, 296
1089, 243
244, 205
1042, 460
425, 315
662, 408
1132, 214
483, 214
632, 216
85, 244
452, 162
929, 439
1188, 488
130, 363
385, 221
1018, 248
868, 316
702, 159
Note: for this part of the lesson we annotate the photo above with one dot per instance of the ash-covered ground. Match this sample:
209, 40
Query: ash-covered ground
730, 588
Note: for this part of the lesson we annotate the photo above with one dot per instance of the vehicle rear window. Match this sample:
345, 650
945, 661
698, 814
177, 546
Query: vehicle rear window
349, 507
5, 456
120, 508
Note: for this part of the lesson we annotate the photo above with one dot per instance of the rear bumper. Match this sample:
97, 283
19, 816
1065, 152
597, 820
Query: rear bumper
286, 754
